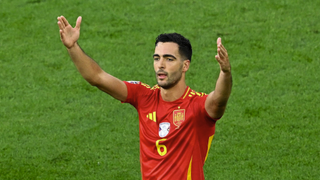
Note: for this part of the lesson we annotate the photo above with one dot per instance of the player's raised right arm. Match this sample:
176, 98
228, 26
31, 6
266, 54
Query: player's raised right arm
87, 67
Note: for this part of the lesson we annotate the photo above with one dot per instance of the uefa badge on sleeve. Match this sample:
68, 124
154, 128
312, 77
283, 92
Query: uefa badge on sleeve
164, 129
134, 82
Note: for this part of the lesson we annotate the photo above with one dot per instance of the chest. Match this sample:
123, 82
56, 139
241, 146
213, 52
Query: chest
161, 120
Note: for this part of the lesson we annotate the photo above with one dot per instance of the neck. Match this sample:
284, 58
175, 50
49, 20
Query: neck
173, 93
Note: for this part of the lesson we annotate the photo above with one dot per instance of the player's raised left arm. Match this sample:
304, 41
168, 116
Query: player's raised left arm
216, 101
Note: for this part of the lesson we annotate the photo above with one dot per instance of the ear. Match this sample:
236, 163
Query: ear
186, 64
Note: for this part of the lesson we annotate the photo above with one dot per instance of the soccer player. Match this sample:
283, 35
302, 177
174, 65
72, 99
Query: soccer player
176, 123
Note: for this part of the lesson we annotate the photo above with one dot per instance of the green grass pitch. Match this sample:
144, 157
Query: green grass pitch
54, 125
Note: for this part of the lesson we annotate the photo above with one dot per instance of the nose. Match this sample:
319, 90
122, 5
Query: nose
161, 63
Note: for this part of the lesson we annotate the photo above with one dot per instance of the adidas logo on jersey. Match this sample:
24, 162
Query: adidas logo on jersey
152, 116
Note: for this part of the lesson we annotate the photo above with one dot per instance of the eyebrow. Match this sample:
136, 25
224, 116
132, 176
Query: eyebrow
165, 55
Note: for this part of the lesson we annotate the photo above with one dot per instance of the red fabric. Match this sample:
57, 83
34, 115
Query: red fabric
183, 143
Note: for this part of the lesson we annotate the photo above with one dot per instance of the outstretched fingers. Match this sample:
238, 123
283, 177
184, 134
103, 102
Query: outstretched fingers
61, 25
218, 41
68, 34
64, 21
222, 56
222, 51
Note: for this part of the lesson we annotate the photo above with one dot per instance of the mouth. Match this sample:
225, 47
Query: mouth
161, 75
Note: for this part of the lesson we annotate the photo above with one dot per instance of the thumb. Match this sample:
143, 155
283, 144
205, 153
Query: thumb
78, 22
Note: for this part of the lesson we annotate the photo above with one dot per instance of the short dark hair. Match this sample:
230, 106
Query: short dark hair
185, 48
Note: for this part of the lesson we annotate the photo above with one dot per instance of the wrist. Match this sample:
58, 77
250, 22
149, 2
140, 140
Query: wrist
70, 48
226, 70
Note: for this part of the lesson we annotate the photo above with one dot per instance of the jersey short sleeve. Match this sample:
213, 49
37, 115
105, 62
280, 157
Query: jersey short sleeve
137, 91
202, 110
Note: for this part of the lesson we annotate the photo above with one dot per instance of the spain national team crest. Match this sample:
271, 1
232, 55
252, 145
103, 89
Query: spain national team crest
178, 117
164, 129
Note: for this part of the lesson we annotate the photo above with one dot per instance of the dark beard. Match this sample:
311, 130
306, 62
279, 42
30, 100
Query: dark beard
170, 85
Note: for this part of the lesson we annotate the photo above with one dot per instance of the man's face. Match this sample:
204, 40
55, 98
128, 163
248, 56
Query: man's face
168, 64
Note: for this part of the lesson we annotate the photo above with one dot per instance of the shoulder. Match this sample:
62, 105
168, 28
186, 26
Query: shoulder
140, 92
190, 93
137, 85
196, 99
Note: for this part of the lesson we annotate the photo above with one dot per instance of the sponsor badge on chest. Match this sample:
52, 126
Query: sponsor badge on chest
164, 129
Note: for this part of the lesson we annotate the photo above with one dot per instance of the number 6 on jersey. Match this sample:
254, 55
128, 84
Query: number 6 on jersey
164, 152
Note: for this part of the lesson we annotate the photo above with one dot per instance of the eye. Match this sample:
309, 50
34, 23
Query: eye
170, 59
156, 58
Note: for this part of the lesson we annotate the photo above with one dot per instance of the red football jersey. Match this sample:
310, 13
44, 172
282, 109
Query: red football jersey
175, 137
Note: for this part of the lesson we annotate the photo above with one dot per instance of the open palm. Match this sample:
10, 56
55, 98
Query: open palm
222, 57
69, 35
